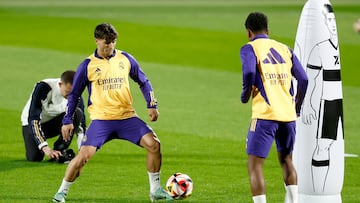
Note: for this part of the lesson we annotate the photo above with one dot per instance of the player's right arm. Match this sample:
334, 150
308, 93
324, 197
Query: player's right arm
78, 86
248, 59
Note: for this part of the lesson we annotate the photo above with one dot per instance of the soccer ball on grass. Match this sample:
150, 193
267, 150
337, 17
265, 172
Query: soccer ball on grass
179, 186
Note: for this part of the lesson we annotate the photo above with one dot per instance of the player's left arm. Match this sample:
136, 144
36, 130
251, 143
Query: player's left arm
138, 75
302, 81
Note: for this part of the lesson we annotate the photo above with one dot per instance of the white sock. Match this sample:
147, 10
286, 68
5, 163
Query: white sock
65, 186
80, 136
292, 193
259, 199
287, 194
154, 180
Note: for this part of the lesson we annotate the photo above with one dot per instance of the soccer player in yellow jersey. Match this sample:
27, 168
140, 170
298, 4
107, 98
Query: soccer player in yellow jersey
106, 73
268, 69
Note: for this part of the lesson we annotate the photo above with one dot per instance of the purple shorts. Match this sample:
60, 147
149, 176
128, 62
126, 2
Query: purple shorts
262, 133
102, 131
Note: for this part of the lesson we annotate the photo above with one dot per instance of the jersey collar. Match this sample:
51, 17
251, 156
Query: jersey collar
98, 56
260, 36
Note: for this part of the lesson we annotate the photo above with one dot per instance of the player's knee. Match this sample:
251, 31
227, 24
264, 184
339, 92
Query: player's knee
150, 142
80, 161
83, 157
154, 147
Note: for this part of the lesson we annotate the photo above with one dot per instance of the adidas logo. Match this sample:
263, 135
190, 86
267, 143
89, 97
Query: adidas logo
273, 57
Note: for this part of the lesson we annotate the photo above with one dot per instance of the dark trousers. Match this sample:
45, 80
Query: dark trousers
50, 129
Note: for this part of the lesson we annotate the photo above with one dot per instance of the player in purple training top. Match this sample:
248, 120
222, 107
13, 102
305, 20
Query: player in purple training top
268, 68
106, 73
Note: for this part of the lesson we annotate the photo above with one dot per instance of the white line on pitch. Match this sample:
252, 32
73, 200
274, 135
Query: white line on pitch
351, 155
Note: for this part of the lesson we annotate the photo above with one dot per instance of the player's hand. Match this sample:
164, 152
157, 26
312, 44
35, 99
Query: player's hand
53, 154
153, 114
67, 131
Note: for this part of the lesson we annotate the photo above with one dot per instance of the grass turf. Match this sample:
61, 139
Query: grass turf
190, 51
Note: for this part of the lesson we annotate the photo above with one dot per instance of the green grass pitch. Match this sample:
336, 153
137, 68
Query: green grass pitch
190, 51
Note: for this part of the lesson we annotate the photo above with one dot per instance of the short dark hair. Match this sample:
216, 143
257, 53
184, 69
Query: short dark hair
67, 76
106, 31
256, 22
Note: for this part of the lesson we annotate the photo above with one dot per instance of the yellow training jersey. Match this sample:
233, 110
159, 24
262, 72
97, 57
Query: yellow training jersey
273, 97
110, 90
107, 81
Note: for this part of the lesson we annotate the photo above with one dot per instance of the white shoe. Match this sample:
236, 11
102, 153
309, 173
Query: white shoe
59, 197
159, 194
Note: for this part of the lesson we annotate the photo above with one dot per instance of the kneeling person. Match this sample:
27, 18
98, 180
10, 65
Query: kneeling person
42, 119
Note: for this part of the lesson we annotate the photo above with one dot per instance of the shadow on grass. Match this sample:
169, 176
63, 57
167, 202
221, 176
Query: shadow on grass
7, 165
107, 200
12, 198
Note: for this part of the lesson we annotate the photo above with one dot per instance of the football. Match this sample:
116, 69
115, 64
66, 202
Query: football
179, 186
